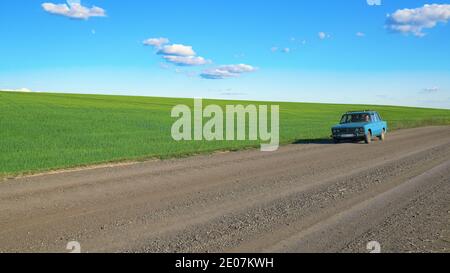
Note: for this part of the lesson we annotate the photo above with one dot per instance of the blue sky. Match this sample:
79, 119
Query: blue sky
314, 51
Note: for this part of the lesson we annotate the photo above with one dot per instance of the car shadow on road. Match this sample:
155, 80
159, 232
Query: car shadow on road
325, 141
314, 141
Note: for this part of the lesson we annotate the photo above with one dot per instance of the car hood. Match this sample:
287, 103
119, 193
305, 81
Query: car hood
351, 125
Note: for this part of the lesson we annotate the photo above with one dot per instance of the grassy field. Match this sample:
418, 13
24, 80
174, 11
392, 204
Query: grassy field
40, 132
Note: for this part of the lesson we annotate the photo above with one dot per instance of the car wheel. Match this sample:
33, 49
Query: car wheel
383, 135
336, 141
368, 139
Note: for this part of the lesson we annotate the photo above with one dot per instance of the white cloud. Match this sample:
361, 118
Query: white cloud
282, 50
227, 71
239, 68
186, 60
414, 21
156, 42
374, 2
323, 35
177, 54
74, 9
360, 34
177, 50
25, 90
184, 55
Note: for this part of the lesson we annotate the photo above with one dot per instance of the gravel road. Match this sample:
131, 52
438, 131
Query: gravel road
302, 198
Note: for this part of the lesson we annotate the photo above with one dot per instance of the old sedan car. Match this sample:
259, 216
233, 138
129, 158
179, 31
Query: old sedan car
360, 125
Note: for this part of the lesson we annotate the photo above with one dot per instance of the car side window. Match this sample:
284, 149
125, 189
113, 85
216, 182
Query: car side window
374, 118
379, 118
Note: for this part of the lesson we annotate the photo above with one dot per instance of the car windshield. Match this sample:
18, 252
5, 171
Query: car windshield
352, 118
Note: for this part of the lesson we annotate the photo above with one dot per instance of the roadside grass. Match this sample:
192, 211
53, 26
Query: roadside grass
42, 132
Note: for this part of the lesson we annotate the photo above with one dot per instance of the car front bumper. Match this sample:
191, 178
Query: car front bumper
348, 136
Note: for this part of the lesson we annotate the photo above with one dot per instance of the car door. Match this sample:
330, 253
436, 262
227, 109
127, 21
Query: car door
383, 124
377, 127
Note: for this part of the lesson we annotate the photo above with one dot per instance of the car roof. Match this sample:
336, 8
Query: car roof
362, 112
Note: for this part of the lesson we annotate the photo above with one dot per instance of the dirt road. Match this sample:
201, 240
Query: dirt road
302, 198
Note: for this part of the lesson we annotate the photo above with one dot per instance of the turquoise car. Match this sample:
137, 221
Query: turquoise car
360, 126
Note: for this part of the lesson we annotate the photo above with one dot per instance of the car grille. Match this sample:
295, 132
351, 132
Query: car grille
347, 131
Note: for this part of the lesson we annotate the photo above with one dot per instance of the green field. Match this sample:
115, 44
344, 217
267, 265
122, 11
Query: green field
40, 132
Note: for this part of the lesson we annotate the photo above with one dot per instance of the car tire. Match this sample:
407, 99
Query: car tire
336, 141
383, 135
368, 139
